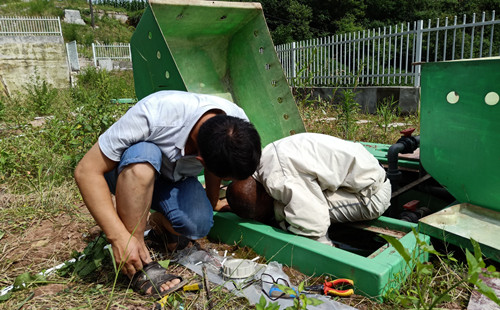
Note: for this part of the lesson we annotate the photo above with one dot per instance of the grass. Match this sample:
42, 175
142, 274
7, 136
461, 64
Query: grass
323, 117
45, 223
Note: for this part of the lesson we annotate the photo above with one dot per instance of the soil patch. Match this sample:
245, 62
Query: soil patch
47, 240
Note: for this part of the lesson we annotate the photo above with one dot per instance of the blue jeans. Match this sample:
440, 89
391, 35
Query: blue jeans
184, 204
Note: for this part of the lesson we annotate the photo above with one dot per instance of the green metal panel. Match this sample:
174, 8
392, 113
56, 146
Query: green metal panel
460, 123
218, 48
373, 277
154, 67
459, 223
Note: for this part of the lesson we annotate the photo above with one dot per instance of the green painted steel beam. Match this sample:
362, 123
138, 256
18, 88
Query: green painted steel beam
218, 48
373, 277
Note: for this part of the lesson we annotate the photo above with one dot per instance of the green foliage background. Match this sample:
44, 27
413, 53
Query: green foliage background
295, 20
288, 20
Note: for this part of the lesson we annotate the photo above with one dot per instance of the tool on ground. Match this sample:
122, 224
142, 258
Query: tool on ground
335, 287
207, 288
162, 303
192, 287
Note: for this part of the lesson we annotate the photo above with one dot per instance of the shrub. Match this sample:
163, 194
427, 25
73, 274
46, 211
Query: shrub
40, 94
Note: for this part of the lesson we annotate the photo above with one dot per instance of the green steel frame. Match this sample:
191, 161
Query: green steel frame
373, 276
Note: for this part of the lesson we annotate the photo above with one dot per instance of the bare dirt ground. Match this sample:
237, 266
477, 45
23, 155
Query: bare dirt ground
45, 240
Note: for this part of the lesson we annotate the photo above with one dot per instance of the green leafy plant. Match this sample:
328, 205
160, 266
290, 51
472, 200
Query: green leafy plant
263, 305
300, 302
41, 94
419, 296
348, 110
24, 281
303, 83
87, 262
388, 111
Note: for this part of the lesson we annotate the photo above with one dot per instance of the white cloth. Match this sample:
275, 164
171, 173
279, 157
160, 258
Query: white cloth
165, 118
305, 174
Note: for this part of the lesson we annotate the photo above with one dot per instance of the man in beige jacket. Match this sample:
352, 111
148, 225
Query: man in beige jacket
308, 181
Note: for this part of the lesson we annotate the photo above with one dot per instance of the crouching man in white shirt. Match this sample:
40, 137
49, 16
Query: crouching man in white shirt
308, 181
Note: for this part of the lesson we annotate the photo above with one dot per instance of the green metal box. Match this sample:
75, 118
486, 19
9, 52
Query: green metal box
373, 275
460, 124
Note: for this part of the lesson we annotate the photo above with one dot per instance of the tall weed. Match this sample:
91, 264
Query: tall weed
41, 95
348, 110
388, 111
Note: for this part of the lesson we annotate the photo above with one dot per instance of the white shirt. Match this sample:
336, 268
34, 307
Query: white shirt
165, 118
300, 170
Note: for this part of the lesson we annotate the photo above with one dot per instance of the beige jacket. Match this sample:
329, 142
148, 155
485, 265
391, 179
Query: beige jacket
304, 171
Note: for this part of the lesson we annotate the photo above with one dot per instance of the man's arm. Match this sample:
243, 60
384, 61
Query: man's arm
89, 176
212, 187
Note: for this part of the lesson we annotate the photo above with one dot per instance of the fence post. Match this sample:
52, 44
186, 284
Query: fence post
59, 24
418, 51
93, 54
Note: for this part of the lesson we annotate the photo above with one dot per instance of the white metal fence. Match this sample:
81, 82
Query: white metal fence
387, 56
30, 26
119, 51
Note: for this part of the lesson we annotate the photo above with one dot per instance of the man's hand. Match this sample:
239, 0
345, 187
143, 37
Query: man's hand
131, 254
212, 187
222, 206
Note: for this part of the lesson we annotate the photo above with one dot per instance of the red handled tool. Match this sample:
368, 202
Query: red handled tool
335, 287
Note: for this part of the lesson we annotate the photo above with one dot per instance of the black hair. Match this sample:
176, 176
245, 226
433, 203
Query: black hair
230, 146
249, 200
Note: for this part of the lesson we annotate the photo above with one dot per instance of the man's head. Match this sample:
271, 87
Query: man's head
248, 199
230, 146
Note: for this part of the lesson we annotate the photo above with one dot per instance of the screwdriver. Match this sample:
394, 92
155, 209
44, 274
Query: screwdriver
192, 287
162, 303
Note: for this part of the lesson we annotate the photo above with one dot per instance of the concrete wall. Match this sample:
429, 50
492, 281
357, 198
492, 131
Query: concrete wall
369, 97
21, 57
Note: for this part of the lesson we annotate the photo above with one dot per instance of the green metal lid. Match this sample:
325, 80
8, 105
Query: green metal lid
460, 126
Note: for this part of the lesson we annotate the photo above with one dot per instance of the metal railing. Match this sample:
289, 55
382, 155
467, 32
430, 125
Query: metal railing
119, 51
30, 26
387, 56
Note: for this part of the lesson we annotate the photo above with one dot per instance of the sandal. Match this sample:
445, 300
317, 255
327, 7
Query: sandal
153, 275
